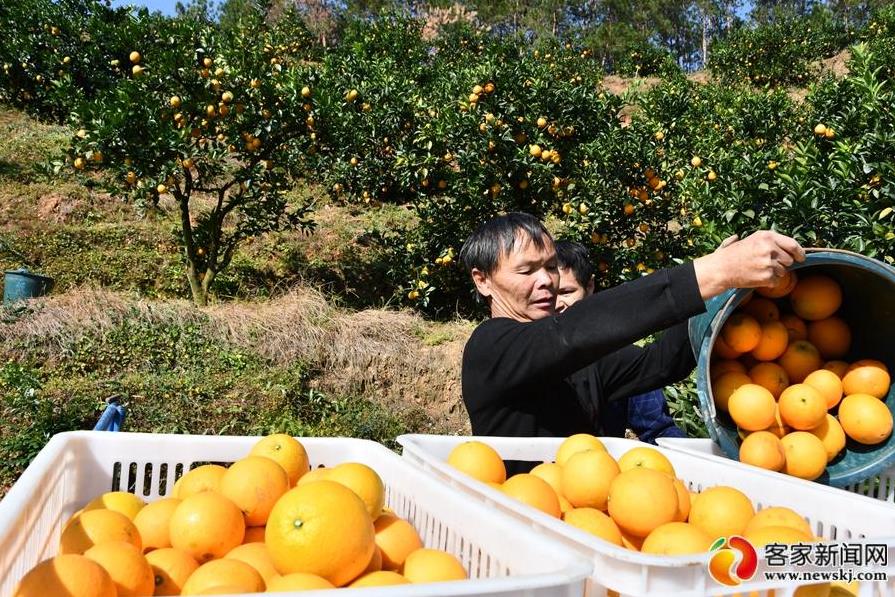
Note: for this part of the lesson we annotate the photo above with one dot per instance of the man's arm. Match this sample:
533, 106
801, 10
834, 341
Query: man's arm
510, 354
634, 370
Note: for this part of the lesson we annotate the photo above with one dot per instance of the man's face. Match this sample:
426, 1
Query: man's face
570, 290
523, 286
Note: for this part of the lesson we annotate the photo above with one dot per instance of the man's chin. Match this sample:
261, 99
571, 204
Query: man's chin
537, 311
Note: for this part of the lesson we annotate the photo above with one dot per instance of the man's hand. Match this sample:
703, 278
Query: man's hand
757, 261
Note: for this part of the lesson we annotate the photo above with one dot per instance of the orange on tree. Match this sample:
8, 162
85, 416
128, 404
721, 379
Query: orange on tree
800, 359
831, 434
321, 528
741, 332
478, 460
642, 499
867, 376
725, 385
577, 443
233, 574
778, 516
255, 555
816, 297
254, 484
645, 457
722, 511
831, 336
152, 522
298, 581
432, 565
396, 539
533, 491
751, 407
71, 575
586, 477
806, 456
865, 418
170, 569
802, 407
763, 449
97, 526
676, 538
591, 520
770, 376
206, 525
126, 565
828, 384
286, 451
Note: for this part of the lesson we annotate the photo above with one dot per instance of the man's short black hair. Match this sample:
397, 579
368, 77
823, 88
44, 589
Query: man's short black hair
573, 256
497, 237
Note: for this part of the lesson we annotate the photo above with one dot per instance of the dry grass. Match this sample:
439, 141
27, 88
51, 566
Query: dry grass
382, 355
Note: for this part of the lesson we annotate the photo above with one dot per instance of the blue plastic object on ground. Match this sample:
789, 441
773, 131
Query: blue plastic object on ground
21, 284
112, 418
869, 308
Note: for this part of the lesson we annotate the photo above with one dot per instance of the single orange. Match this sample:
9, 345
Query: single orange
591, 520
254, 484
741, 332
683, 501
721, 366
779, 516
773, 343
533, 491
795, 327
867, 376
550, 472
752, 407
865, 418
206, 525
383, 578
762, 309
831, 336
645, 457
642, 499
840, 368
831, 434
396, 539
257, 556
816, 297
722, 349
98, 526
364, 481
800, 359
676, 538
433, 565
577, 443
763, 449
784, 286
828, 384
286, 451
233, 574
806, 456
120, 501
764, 535
202, 478
69, 574
770, 376
478, 460
170, 569
152, 522
725, 385
802, 407
722, 511
586, 478
298, 581
126, 564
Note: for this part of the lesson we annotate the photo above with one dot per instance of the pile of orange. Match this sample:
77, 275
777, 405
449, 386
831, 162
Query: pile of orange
777, 371
636, 501
268, 523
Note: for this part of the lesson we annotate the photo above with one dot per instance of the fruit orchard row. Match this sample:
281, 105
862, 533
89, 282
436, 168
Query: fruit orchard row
460, 128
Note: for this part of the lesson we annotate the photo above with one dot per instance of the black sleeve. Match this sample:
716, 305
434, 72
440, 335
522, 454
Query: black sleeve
634, 370
507, 354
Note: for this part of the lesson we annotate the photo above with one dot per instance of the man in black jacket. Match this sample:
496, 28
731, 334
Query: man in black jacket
516, 364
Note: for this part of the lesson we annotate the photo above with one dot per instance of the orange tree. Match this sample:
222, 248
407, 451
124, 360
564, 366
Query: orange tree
208, 121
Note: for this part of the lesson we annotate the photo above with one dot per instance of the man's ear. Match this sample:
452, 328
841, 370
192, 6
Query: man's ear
590, 285
482, 282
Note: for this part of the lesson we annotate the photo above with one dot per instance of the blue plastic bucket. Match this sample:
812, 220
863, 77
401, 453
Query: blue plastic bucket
868, 306
21, 284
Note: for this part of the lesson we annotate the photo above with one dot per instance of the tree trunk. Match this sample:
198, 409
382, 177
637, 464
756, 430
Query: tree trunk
197, 286
705, 40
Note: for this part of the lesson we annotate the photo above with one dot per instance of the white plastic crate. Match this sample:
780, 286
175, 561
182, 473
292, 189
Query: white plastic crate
833, 514
880, 488
503, 557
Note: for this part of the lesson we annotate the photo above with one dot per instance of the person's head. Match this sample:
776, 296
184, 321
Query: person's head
513, 265
576, 274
